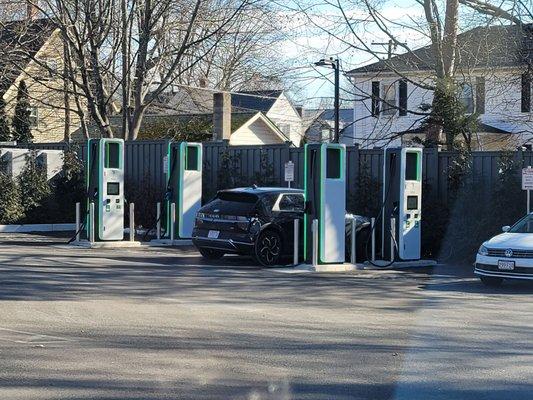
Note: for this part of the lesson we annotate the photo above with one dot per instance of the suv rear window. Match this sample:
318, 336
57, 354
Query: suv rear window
231, 203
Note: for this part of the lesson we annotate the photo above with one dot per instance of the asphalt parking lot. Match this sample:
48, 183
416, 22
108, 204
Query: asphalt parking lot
164, 324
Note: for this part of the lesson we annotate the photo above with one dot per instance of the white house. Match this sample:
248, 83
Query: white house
494, 70
273, 119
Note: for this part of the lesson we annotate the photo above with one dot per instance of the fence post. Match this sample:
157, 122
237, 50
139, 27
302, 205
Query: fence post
91, 222
373, 230
314, 229
172, 220
132, 222
392, 237
353, 255
158, 221
78, 217
296, 241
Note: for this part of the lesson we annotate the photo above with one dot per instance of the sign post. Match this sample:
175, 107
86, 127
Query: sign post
289, 172
527, 184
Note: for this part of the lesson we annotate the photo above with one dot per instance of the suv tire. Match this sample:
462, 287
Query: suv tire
268, 248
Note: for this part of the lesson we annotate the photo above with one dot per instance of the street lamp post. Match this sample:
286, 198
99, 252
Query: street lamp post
333, 63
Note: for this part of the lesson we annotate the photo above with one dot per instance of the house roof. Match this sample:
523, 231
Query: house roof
199, 100
19, 42
482, 127
257, 100
481, 47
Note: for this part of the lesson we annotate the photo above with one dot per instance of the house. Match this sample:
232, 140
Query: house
320, 125
273, 117
31, 50
493, 71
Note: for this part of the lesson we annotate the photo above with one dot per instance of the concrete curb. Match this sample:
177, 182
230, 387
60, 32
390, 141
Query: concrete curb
28, 228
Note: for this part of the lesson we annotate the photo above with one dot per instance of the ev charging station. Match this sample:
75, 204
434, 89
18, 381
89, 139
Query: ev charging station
183, 196
325, 199
105, 188
402, 203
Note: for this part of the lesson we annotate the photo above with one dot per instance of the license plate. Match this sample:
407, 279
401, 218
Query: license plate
213, 234
505, 265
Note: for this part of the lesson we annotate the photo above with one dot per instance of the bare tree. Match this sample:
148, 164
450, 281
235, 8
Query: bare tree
352, 23
122, 54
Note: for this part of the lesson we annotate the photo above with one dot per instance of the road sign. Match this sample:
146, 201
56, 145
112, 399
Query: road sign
527, 178
289, 171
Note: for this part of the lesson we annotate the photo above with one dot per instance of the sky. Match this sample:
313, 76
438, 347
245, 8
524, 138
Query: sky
308, 39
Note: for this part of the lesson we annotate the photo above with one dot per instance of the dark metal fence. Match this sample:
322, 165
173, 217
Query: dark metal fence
144, 163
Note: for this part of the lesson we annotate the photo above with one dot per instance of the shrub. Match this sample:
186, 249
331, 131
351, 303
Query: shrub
34, 190
21, 117
11, 210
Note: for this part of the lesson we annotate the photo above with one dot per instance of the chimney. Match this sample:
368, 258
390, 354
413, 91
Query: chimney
221, 116
31, 10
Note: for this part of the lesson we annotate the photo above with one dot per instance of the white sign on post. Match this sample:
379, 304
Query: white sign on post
527, 183
527, 178
289, 172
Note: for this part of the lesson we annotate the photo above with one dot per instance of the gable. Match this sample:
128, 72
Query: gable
19, 43
257, 131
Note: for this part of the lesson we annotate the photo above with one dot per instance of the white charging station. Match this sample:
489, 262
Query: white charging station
184, 188
402, 203
105, 188
325, 195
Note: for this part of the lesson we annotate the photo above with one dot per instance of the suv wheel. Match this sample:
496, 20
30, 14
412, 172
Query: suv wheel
491, 281
268, 248
211, 254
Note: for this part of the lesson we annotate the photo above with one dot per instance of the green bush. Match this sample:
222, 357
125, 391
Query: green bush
11, 210
34, 191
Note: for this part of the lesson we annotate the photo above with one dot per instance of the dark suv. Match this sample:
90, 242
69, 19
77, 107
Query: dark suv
255, 221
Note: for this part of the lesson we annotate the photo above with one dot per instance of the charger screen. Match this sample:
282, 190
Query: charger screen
113, 188
412, 202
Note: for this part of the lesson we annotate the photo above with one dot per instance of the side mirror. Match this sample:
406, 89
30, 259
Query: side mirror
506, 228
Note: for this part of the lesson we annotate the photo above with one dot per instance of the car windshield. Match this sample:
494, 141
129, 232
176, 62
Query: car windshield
525, 225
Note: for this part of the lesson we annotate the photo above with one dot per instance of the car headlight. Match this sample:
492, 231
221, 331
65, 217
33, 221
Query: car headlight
483, 251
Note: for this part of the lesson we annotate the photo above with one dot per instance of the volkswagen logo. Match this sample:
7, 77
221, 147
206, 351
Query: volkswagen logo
508, 253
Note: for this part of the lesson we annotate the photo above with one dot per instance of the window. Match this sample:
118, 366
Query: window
403, 97
467, 96
285, 128
389, 98
291, 202
51, 64
325, 135
375, 99
34, 117
480, 95
526, 92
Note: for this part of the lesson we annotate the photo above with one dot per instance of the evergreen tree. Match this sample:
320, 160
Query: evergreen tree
5, 130
21, 118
